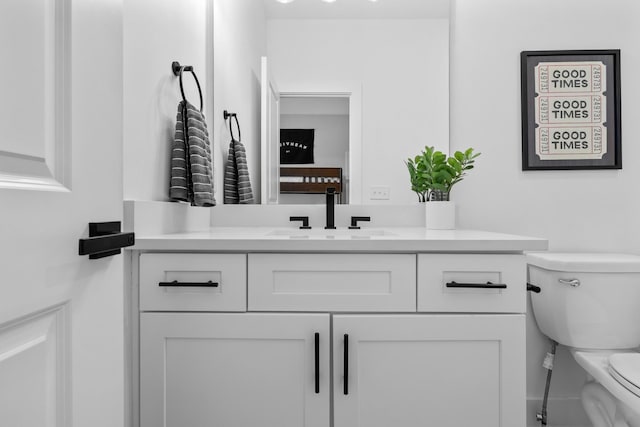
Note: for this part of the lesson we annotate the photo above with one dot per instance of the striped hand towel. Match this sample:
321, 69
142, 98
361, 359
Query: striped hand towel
191, 166
237, 186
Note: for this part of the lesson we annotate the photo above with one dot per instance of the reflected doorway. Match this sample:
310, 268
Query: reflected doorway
314, 148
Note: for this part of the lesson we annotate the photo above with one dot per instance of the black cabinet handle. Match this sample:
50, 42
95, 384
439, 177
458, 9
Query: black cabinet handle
209, 284
317, 362
105, 239
487, 285
304, 219
354, 221
346, 364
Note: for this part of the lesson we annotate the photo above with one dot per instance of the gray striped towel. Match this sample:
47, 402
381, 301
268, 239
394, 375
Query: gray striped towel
192, 174
237, 186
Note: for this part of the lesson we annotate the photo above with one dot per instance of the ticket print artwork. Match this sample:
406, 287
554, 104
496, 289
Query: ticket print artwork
571, 110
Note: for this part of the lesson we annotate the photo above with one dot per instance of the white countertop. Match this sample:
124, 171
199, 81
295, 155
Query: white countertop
394, 239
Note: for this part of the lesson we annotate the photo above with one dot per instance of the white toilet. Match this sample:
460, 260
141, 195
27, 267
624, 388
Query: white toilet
591, 303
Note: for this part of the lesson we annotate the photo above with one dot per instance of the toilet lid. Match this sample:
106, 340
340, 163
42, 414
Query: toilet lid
625, 368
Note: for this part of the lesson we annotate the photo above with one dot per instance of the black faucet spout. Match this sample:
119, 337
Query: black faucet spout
331, 204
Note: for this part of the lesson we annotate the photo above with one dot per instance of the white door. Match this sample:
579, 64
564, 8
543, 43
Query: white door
61, 315
234, 370
435, 370
270, 137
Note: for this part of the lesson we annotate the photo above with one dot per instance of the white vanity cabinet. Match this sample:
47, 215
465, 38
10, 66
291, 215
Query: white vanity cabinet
397, 346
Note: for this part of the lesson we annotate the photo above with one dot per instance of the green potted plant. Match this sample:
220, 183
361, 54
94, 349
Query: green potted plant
433, 175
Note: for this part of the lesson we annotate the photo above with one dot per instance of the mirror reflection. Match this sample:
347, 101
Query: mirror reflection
314, 148
370, 85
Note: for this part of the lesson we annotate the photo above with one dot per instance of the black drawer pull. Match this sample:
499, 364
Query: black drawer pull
317, 362
208, 284
346, 364
487, 285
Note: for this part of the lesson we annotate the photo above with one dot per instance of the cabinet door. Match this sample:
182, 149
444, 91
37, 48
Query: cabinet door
436, 370
234, 370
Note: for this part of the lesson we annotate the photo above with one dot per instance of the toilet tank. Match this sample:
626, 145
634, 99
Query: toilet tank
587, 300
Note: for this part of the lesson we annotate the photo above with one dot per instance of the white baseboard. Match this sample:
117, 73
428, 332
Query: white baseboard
561, 412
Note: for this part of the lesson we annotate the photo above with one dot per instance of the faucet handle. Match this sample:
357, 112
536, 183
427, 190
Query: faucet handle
304, 219
354, 221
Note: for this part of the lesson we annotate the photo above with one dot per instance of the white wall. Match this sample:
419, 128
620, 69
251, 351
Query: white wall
575, 210
403, 68
239, 43
156, 33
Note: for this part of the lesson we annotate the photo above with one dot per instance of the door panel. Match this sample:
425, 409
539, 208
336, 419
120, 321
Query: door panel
32, 360
233, 370
74, 149
452, 370
35, 146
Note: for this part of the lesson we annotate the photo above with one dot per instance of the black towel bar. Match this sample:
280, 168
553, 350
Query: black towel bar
105, 239
234, 116
178, 70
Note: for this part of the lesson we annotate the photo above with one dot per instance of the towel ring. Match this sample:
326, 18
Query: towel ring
228, 115
177, 71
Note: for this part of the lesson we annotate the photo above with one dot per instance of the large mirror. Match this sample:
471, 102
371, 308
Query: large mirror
383, 64
351, 89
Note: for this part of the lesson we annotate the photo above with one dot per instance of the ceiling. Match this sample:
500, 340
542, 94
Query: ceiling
358, 9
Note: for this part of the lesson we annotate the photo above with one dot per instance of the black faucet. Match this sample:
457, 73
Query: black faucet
331, 204
304, 219
354, 221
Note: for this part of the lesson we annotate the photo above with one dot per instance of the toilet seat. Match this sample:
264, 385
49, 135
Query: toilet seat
625, 368
596, 363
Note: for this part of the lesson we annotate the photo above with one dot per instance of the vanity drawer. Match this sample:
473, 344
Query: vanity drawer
332, 282
472, 283
193, 282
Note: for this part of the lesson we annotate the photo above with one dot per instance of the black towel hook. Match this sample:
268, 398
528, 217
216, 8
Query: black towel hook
228, 115
178, 70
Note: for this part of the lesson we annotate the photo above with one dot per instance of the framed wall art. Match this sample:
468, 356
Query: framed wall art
296, 146
571, 110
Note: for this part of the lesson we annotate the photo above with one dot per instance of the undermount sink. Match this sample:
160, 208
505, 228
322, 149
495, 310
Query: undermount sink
338, 232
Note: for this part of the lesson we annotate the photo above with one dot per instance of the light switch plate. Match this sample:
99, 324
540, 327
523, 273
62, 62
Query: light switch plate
379, 192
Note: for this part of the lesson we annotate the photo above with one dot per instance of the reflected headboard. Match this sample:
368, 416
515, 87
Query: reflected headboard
310, 180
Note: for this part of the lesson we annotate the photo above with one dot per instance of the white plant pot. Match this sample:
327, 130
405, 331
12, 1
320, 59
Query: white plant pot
440, 215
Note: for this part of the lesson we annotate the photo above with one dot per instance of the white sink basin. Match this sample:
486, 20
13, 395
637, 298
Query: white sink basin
331, 234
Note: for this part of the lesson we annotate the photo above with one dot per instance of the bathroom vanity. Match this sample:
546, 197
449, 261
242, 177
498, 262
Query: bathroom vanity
242, 327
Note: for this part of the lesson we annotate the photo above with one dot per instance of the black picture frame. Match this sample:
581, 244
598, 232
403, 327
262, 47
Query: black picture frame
571, 109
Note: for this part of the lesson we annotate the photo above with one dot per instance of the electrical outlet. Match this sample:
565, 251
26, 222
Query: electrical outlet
379, 192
